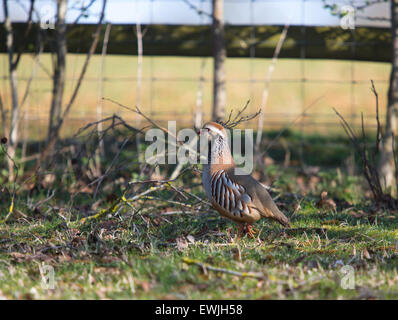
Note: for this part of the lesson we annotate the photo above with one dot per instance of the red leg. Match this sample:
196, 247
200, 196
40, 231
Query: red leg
241, 230
246, 228
250, 230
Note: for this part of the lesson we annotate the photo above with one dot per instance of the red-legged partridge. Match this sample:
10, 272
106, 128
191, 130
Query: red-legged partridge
233, 193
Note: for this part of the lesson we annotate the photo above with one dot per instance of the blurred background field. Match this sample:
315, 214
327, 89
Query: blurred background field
170, 86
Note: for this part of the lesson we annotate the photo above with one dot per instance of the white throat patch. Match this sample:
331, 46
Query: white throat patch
218, 131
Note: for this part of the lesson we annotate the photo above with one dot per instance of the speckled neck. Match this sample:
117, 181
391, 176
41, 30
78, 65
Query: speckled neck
219, 153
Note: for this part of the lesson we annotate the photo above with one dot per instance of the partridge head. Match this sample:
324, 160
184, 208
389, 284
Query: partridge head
233, 193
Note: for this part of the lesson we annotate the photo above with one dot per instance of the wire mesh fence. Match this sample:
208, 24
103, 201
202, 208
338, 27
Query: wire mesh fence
173, 86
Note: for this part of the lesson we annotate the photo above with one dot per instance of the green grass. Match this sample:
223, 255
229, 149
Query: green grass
138, 253
127, 257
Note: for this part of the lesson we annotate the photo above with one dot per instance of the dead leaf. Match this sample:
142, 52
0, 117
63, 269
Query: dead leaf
17, 256
48, 180
331, 222
108, 225
268, 161
365, 253
296, 207
357, 214
181, 243
191, 239
145, 285
236, 254
326, 203
202, 286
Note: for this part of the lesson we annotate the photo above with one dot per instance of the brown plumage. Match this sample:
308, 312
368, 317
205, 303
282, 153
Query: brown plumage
233, 193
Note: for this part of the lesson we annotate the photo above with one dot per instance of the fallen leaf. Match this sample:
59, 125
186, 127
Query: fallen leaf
191, 239
181, 243
236, 254
357, 214
145, 285
365, 253
202, 286
17, 255
326, 203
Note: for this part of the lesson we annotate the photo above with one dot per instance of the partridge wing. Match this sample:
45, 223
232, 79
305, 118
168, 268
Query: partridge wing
259, 196
232, 198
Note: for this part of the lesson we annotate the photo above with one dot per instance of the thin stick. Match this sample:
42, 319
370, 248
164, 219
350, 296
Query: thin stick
3, 115
138, 111
14, 189
291, 123
395, 160
232, 123
198, 115
378, 136
100, 150
180, 165
264, 98
369, 171
54, 138
139, 85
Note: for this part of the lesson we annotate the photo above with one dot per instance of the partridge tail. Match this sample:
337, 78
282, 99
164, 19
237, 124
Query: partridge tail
280, 217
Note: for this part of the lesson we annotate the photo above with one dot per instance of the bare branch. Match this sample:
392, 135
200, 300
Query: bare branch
232, 123
83, 11
26, 35
198, 10
264, 98
378, 136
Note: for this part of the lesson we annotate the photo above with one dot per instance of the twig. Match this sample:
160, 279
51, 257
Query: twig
232, 123
101, 150
83, 11
138, 111
11, 208
291, 123
198, 114
369, 170
100, 179
3, 115
264, 98
54, 137
198, 10
395, 160
378, 136
180, 165
140, 49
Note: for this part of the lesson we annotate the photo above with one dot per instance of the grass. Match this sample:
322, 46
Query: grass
138, 252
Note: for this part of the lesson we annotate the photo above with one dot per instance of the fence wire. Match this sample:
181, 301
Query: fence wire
169, 94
